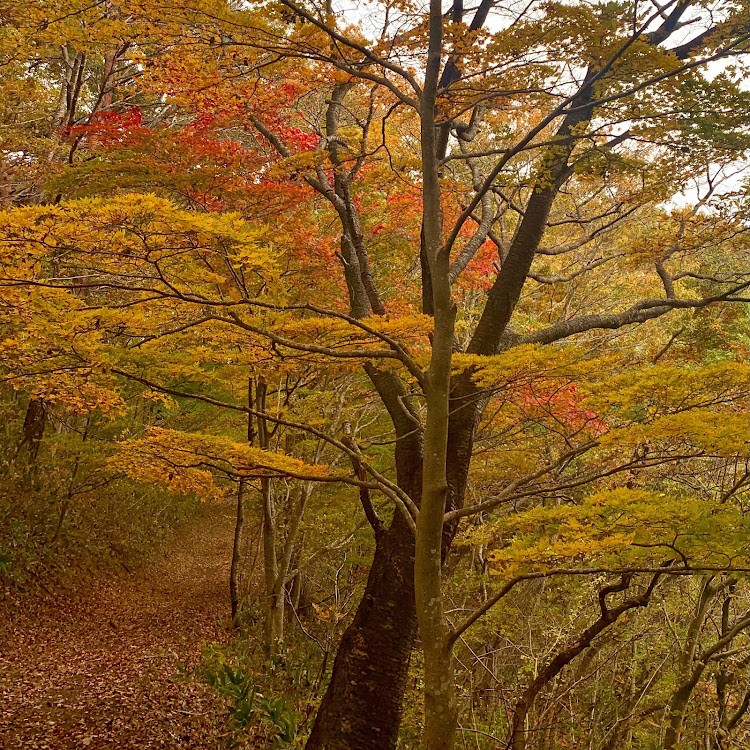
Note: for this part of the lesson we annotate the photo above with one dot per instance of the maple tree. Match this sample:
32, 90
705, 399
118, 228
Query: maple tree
471, 214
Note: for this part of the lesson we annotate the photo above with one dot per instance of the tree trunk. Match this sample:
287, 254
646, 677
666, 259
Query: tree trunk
33, 429
234, 570
362, 706
274, 585
676, 715
440, 707
275, 619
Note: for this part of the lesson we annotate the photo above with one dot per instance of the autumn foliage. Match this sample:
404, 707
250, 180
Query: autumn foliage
450, 303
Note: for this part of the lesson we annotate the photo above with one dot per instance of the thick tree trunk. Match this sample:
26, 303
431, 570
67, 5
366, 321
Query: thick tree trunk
362, 707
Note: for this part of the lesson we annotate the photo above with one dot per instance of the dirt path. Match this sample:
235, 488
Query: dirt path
98, 670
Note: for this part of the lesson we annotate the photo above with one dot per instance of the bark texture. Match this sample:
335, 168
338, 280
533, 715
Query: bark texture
363, 704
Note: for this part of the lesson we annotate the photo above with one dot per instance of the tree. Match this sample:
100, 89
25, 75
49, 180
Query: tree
617, 85
536, 154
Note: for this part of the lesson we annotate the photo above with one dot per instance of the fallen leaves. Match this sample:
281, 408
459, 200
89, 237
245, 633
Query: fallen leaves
101, 668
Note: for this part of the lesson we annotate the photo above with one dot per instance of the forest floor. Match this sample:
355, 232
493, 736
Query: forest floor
99, 667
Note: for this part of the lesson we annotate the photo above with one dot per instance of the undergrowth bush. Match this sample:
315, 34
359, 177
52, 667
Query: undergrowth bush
251, 681
64, 509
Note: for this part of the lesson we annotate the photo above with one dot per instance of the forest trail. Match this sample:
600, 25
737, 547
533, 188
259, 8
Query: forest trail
97, 669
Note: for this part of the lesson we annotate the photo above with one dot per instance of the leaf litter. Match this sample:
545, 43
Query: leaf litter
109, 664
